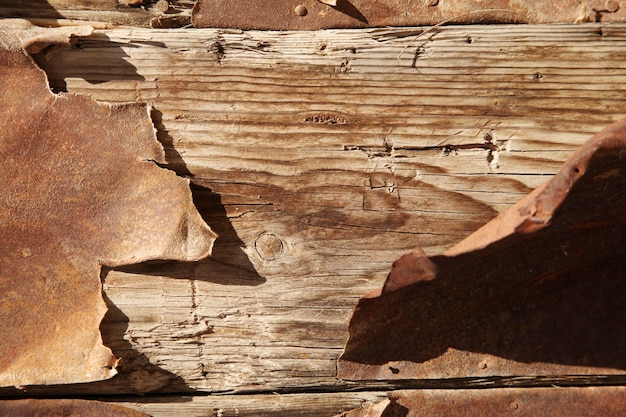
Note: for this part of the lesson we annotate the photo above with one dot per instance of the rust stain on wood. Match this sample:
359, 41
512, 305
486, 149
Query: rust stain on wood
79, 188
316, 14
537, 291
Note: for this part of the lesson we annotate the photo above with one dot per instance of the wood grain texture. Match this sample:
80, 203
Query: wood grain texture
550, 401
320, 158
267, 405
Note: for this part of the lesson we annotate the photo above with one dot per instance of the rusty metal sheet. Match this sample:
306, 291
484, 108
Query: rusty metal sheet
518, 402
79, 188
326, 14
539, 290
64, 408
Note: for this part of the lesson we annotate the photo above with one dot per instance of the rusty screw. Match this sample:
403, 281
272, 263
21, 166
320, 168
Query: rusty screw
300, 10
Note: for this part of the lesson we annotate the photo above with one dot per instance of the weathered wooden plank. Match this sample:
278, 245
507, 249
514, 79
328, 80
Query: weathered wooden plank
552, 401
274, 405
321, 157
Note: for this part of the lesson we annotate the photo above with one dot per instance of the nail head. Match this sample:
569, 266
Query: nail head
300, 10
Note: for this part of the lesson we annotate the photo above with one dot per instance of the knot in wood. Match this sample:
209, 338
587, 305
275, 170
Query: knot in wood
269, 246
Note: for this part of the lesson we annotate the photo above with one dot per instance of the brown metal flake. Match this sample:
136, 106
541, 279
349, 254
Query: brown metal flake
79, 188
64, 408
317, 14
518, 402
539, 290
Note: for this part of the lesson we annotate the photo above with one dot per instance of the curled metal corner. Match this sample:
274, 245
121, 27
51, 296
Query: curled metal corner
79, 188
537, 291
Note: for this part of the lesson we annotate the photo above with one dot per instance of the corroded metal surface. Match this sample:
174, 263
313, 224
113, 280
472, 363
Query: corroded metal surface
317, 14
64, 408
79, 188
539, 290
518, 402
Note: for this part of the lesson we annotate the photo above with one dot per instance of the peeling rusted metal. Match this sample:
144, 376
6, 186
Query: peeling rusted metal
79, 188
64, 408
539, 290
518, 402
316, 14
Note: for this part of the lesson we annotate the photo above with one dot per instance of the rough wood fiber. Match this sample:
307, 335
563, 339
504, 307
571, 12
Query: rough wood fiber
267, 405
551, 401
319, 158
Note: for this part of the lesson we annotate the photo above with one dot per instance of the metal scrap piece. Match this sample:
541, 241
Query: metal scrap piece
64, 408
317, 14
518, 402
539, 290
79, 188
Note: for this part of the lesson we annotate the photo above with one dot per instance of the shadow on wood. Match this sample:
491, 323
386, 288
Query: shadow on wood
29, 9
228, 263
111, 59
136, 374
542, 284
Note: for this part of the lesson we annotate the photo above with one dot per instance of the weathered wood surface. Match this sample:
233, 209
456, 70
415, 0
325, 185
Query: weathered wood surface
321, 157
605, 401
258, 405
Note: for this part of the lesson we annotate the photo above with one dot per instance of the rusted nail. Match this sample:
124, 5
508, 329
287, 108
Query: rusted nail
300, 10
